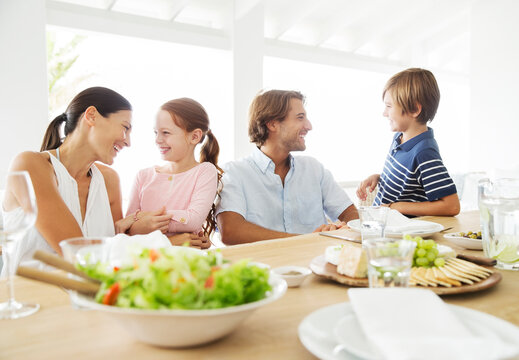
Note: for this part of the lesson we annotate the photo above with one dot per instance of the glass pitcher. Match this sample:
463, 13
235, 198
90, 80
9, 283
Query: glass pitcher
499, 214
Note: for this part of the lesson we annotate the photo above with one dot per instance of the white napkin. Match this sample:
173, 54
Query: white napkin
122, 248
398, 223
405, 323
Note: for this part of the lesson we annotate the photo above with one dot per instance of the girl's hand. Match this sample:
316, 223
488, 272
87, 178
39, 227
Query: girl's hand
370, 183
198, 241
149, 221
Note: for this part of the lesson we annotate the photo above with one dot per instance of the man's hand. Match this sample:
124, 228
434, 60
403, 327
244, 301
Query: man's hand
149, 221
329, 227
198, 241
370, 183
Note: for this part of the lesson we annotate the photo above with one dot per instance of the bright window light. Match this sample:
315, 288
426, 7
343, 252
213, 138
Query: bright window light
149, 73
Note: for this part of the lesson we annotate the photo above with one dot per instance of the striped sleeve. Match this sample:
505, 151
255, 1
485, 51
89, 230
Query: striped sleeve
433, 175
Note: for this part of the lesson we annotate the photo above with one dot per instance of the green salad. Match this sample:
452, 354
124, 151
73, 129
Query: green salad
165, 279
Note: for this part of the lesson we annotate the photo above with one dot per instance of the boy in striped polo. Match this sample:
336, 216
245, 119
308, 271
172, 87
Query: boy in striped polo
414, 180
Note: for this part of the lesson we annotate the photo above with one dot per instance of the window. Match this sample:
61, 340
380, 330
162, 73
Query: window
350, 136
149, 73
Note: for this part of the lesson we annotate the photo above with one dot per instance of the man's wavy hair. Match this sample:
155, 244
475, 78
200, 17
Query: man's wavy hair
268, 106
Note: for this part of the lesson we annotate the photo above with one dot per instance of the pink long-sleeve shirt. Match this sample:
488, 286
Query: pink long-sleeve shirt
187, 196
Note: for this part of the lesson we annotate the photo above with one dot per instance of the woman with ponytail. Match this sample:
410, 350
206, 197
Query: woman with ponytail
182, 191
76, 195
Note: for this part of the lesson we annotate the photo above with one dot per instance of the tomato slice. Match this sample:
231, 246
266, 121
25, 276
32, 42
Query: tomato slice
154, 255
110, 297
209, 282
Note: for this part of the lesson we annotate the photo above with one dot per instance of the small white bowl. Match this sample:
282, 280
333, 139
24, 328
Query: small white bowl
293, 280
467, 243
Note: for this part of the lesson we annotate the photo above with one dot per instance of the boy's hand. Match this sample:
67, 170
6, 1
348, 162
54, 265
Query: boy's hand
370, 183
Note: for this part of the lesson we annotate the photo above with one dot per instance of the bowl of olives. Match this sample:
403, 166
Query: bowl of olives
466, 239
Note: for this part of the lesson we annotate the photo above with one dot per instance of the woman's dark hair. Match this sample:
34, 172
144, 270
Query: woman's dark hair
106, 102
189, 115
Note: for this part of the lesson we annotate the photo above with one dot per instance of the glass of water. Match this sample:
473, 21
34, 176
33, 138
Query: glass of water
372, 221
19, 211
499, 214
389, 261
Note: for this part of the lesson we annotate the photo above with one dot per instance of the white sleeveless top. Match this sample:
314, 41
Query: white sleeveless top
98, 219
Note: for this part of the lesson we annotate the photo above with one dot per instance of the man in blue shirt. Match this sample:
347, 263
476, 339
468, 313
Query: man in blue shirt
272, 194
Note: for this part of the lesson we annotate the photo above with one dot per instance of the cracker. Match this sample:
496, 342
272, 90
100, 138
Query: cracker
468, 270
445, 270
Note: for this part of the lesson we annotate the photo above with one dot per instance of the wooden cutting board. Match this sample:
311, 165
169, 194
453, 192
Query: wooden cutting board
322, 268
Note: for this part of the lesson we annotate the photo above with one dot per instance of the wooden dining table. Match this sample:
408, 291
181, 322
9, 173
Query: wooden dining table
58, 331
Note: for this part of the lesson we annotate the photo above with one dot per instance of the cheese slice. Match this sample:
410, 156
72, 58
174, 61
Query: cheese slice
331, 254
353, 262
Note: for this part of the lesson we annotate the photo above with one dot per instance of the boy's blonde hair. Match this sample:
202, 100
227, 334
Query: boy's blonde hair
415, 86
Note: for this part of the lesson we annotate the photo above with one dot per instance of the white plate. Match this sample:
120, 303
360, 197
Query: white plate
429, 228
317, 330
466, 243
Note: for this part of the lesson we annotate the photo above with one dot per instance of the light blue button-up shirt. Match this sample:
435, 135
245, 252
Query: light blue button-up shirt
253, 190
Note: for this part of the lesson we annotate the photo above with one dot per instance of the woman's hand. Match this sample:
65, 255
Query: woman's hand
198, 241
124, 224
149, 221
370, 183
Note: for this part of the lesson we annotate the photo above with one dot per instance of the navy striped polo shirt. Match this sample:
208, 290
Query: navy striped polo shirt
414, 172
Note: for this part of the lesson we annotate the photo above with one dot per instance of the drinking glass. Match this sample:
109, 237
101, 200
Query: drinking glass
19, 198
499, 215
83, 251
389, 262
372, 221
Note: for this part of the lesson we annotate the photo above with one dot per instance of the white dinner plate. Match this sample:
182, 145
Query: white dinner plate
427, 228
317, 331
466, 243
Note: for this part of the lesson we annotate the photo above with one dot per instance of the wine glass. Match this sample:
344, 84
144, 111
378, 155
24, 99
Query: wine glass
19, 213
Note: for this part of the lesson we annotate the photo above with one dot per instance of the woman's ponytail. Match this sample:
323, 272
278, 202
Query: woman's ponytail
209, 152
105, 101
52, 138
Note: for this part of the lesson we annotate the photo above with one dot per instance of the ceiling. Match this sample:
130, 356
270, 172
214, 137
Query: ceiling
427, 33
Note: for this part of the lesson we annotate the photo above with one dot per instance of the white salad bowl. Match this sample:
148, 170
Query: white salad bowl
183, 328
168, 328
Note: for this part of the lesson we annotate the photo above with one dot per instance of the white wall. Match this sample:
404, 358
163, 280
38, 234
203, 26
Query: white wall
23, 78
494, 75
248, 49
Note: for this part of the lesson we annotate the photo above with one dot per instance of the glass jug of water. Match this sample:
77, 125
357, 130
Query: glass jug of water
499, 214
